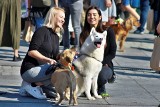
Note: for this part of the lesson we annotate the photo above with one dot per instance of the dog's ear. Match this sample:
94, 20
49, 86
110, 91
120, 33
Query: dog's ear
58, 56
73, 48
92, 30
118, 24
105, 34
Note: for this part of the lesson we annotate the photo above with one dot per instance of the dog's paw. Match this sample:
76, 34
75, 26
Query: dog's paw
91, 98
121, 50
67, 97
99, 96
75, 104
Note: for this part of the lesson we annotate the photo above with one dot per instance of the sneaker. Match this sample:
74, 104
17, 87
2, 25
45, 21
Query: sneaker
138, 32
102, 91
22, 90
35, 91
104, 94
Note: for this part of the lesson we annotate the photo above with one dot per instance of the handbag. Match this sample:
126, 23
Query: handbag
28, 31
155, 58
150, 21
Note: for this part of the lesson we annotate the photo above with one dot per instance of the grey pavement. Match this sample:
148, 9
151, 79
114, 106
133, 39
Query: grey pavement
137, 85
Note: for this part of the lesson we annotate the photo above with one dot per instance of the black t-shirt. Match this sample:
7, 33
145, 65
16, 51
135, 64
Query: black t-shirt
110, 50
44, 41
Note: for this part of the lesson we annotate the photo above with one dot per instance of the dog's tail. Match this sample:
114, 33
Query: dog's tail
72, 84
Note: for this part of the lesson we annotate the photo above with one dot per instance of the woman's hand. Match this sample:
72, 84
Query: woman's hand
51, 61
106, 65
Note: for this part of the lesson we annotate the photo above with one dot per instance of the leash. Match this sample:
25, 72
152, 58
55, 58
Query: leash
52, 68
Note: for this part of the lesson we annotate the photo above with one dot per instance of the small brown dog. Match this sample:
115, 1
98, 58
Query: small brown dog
122, 30
63, 77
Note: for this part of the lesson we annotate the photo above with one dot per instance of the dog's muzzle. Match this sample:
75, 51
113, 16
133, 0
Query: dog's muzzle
98, 42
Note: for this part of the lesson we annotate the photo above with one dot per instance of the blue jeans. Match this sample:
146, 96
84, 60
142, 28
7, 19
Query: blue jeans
39, 22
104, 75
144, 8
73, 8
37, 74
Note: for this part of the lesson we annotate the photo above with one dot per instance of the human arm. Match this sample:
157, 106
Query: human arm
28, 6
127, 7
37, 55
55, 3
111, 47
41, 46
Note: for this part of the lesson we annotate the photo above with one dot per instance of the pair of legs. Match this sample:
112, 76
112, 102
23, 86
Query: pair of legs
104, 75
73, 9
37, 75
36, 83
126, 5
144, 9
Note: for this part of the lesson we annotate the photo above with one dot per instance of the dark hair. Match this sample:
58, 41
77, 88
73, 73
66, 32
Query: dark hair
86, 29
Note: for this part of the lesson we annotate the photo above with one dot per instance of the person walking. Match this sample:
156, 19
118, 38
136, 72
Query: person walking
10, 25
126, 6
37, 10
73, 8
144, 9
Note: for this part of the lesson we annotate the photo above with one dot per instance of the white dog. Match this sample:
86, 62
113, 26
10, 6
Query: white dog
89, 63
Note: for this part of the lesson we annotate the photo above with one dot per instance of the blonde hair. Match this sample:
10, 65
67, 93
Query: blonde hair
50, 19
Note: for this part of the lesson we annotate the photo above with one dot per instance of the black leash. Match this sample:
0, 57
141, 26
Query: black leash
52, 68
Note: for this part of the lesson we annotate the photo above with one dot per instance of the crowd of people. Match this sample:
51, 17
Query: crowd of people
51, 19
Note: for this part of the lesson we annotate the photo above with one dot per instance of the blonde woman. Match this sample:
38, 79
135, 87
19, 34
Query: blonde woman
42, 53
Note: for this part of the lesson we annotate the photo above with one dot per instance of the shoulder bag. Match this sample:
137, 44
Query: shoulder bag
155, 58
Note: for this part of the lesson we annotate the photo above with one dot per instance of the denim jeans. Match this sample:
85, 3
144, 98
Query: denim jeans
73, 8
39, 22
105, 74
37, 74
144, 8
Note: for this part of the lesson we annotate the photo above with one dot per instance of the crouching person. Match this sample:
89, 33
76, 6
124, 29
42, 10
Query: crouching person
43, 49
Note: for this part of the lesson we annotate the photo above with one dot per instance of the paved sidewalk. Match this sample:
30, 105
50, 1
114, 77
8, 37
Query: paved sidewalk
137, 85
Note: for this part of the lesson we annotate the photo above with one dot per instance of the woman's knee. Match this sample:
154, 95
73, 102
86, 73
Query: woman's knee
105, 74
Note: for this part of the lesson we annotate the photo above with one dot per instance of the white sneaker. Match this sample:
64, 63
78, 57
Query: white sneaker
22, 90
35, 92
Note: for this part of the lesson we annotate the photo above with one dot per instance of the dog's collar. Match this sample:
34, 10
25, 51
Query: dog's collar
65, 66
52, 68
92, 57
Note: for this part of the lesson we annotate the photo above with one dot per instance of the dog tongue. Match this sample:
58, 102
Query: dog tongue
98, 45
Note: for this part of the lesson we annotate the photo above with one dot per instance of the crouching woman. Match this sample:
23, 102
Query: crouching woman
93, 18
42, 53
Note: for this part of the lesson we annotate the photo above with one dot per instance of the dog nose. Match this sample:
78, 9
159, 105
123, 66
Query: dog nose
100, 38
